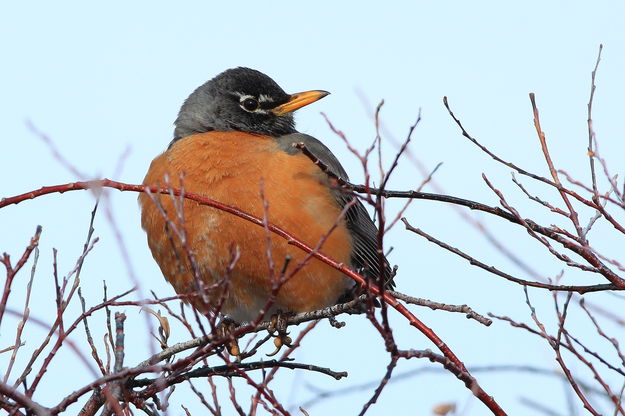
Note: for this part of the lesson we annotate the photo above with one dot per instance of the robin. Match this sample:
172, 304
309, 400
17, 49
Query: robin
234, 137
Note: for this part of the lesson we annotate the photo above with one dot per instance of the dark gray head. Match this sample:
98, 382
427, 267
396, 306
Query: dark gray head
241, 99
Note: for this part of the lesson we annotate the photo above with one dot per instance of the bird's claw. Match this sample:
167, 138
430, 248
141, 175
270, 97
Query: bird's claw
279, 341
224, 330
278, 324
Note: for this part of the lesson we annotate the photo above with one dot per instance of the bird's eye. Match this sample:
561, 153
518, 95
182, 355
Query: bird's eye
250, 104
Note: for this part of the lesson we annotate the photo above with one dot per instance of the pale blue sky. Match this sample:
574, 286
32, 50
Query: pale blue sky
107, 80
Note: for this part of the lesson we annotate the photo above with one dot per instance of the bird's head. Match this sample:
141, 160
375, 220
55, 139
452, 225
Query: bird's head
241, 99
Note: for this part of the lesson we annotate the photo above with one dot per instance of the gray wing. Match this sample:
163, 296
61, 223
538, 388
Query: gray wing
364, 232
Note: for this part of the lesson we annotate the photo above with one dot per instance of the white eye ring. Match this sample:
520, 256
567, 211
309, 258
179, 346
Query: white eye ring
249, 103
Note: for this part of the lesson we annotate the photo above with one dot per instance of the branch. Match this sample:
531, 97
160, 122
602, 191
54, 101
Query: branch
12, 270
227, 371
292, 240
24, 401
470, 313
495, 271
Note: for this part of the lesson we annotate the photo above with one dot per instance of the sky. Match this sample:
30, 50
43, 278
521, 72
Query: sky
104, 83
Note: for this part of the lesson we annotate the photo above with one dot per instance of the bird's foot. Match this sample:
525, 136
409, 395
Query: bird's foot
224, 329
277, 326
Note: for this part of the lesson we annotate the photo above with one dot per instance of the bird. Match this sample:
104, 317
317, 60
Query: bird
234, 142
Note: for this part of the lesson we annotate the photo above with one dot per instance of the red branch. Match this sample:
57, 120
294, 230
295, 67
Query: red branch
12, 270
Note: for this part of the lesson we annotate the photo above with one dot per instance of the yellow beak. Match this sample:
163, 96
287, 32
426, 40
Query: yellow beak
299, 100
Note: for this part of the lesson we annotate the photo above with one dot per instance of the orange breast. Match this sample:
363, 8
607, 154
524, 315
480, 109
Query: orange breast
229, 167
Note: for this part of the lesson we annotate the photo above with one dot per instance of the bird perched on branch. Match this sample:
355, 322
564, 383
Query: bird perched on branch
234, 142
